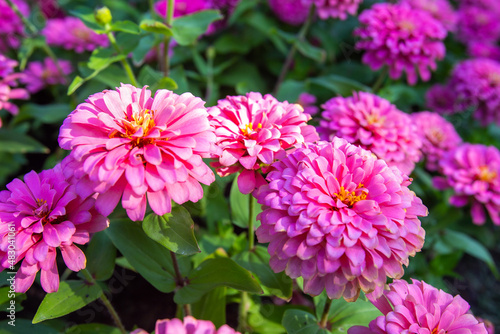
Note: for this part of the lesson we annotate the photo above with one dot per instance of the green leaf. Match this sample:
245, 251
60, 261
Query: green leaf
71, 296
164, 83
344, 315
92, 329
101, 256
102, 58
126, 26
28, 46
301, 322
212, 306
12, 141
303, 46
463, 242
156, 27
150, 259
6, 295
213, 273
340, 85
174, 231
290, 90
23, 326
186, 29
146, 43
86, 14
47, 113
257, 261
239, 207
75, 84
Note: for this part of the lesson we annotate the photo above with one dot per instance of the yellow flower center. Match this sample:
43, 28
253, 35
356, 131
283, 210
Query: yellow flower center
494, 78
435, 135
141, 119
407, 25
485, 174
248, 129
350, 197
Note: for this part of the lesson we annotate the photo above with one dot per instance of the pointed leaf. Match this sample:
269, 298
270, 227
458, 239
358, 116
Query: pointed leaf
301, 322
340, 85
186, 29
126, 26
101, 255
12, 141
239, 204
156, 26
212, 306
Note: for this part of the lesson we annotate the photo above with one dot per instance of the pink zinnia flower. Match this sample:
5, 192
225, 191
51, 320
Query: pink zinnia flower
339, 217
45, 213
6, 66
337, 9
473, 171
375, 124
420, 308
476, 83
441, 99
253, 132
39, 74
8, 92
290, 11
438, 137
141, 148
441, 10
11, 26
188, 325
490, 328
405, 39
484, 50
307, 102
72, 34
478, 24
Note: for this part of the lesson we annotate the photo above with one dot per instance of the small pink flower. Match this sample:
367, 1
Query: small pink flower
139, 148
438, 137
72, 34
307, 102
253, 132
8, 93
375, 124
38, 74
337, 9
188, 325
405, 39
11, 26
45, 213
6, 66
441, 10
441, 99
420, 308
478, 24
290, 11
339, 217
473, 171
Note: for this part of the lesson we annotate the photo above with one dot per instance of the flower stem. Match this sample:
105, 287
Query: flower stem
124, 62
243, 315
180, 282
106, 302
251, 234
169, 19
289, 58
326, 312
380, 80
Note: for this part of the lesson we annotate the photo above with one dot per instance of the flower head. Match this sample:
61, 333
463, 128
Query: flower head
478, 24
484, 50
39, 74
188, 325
420, 308
476, 83
72, 34
11, 26
253, 132
441, 99
45, 213
339, 217
405, 39
375, 124
337, 9
141, 148
290, 11
473, 171
6, 66
307, 102
438, 137
441, 10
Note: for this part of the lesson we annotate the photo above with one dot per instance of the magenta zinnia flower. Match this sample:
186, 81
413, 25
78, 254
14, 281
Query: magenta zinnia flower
473, 171
438, 137
11, 26
337, 9
290, 11
476, 83
441, 10
375, 124
39, 74
339, 217
141, 148
8, 90
307, 102
405, 39
72, 34
45, 213
441, 99
188, 325
420, 308
478, 24
253, 132
484, 50
6, 66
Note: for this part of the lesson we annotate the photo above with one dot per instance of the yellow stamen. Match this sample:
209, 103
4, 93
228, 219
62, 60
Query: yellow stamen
485, 174
349, 198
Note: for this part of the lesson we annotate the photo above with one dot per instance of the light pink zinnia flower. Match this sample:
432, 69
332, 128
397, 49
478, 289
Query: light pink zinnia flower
11, 26
38, 75
337, 9
339, 217
45, 213
476, 83
420, 308
253, 132
441, 99
375, 124
290, 11
438, 137
307, 102
134, 146
441, 10
484, 50
188, 325
473, 171
478, 24
72, 34
8, 92
405, 39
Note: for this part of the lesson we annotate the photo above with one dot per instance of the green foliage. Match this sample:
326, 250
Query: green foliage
301, 322
101, 256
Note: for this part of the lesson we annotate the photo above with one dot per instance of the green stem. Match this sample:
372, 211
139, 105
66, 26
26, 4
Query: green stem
326, 312
124, 62
169, 19
243, 314
289, 58
380, 80
26, 23
251, 234
180, 282
106, 302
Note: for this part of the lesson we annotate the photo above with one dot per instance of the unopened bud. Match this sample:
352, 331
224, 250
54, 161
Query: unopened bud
103, 15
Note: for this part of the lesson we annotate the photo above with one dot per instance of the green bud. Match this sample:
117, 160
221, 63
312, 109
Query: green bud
103, 16
210, 52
